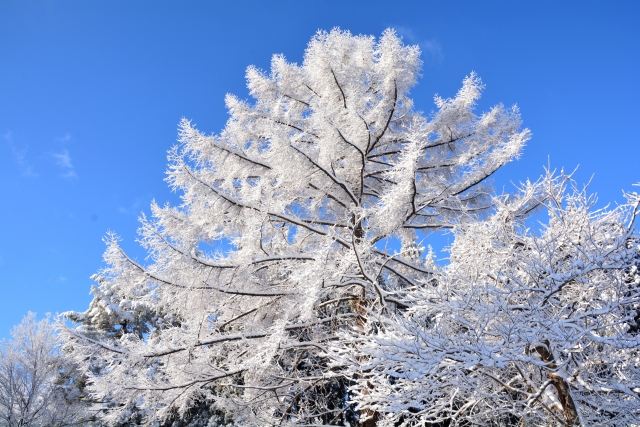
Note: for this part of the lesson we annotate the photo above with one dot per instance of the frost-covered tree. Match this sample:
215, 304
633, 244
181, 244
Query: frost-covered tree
527, 325
306, 185
36, 381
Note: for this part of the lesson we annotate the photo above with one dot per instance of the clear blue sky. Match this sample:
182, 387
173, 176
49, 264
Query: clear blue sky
91, 93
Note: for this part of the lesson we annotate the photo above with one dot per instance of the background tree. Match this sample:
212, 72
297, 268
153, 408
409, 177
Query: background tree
36, 381
526, 325
307, 186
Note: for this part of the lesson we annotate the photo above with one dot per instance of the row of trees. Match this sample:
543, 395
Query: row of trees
322, 307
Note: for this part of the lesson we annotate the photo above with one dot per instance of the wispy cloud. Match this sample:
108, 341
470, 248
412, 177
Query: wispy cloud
431, 48
65, 138
19, 155
137, 206
63, 161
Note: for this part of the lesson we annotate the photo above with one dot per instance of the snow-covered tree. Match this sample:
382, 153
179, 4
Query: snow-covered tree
527, 325
303, 190
35, 386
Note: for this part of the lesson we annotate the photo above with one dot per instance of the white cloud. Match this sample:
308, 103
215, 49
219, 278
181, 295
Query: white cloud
19, 155
63, 161
431, 48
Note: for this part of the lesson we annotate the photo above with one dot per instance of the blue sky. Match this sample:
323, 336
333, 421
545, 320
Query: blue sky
91, 94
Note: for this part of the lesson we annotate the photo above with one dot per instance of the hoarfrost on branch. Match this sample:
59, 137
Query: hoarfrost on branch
307, 319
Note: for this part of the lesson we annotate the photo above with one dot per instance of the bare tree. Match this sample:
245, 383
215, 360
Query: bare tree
33, 373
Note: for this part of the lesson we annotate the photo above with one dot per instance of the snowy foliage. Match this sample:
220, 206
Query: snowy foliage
34, 379
523, 327
306, 318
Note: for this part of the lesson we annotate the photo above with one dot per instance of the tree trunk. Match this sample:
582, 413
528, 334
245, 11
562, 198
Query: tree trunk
371, 422
361, 310
569, 409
